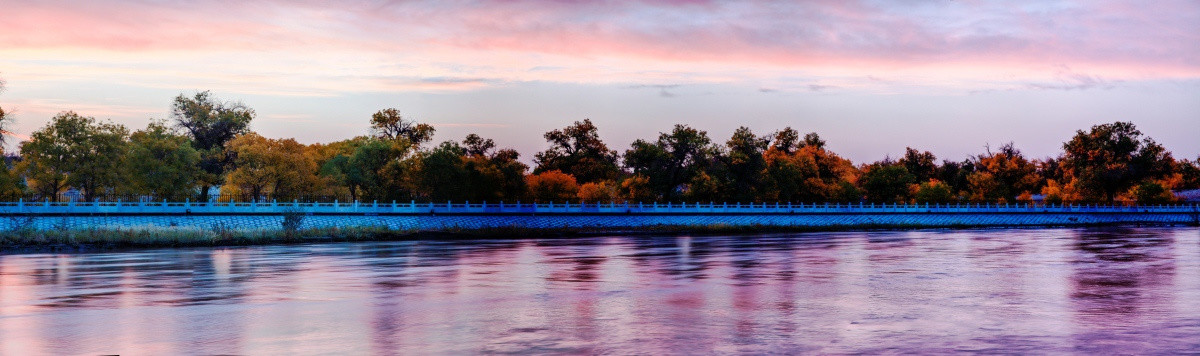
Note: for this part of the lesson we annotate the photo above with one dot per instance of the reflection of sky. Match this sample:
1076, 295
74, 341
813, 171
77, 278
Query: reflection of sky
1050, 290
990, 72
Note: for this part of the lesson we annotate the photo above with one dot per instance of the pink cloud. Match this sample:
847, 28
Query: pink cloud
449, 45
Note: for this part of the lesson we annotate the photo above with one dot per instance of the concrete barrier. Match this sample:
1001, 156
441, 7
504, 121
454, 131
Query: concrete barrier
432, 216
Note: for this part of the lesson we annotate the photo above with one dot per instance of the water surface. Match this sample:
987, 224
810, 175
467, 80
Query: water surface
1085, 291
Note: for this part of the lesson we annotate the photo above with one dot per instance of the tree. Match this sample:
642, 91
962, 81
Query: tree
161, 163
578, 150
1003, 175
441, 174
922, 165
1112, 158
1148, 193
492, 175
1056, 193
786, 140
337, 168
808, 174
270, 169
478, 146
598, 192
746, 164
673, 160
886, 181
955, 175
11, 186
98, 159
985, 187
5, 122
370, 168
211, 124
552, 186
390, 125
1189, 172
636, 188
811, 139
933, 191
74, 150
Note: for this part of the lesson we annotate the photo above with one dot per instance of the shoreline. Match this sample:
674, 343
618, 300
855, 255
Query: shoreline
105, 240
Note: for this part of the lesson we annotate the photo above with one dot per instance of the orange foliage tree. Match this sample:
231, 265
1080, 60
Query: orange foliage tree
552, 186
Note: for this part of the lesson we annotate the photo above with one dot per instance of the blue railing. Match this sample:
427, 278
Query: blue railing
412, 207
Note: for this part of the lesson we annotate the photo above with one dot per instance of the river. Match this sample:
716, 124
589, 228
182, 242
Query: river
1084, 291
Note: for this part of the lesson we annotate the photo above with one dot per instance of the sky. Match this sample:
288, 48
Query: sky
871, 77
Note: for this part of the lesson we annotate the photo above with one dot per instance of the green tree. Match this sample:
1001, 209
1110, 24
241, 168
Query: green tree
922, 165
74, 150
211, 124
673, 160
442, 174
390, 125
933, 191
886, 181
337, 168
746, 164
1149, 192
161, 163
955, 174
1112, 158
578, 150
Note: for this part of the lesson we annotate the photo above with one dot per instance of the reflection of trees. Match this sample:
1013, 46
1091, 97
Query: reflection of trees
1120, 274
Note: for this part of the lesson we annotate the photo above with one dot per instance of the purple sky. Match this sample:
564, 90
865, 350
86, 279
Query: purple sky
870, 76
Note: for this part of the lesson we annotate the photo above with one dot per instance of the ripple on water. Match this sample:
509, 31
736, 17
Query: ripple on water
1101, 290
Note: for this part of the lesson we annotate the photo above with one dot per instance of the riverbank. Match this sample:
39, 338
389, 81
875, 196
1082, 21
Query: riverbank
89, 240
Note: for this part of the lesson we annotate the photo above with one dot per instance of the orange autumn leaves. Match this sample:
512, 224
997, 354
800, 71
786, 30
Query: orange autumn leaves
209, 143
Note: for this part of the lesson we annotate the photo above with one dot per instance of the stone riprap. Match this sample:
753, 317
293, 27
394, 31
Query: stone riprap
413, 216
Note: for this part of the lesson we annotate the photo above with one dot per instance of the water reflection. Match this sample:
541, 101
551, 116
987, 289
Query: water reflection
1046, 290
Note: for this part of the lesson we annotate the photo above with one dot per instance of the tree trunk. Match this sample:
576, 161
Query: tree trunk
204, 192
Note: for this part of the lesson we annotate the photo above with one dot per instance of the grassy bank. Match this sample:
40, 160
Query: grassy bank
75, 240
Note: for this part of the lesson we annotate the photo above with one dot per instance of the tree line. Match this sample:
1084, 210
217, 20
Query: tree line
208, 143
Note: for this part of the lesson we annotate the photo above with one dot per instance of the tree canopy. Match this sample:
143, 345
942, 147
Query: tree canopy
211, 143
1111, 158
74, 150
578, 150
389, 124
211, 124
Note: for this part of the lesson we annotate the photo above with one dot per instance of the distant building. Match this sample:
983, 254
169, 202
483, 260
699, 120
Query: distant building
72, 194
